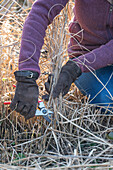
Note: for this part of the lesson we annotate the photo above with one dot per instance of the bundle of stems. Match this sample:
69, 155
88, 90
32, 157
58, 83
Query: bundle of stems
77, 137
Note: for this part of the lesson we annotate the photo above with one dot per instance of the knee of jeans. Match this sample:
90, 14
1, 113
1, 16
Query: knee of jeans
104, 100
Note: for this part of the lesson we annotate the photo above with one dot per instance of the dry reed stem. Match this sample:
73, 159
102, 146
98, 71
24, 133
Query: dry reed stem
98, 166
78, 136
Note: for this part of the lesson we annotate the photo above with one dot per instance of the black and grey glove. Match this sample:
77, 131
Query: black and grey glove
69, 73
26, 94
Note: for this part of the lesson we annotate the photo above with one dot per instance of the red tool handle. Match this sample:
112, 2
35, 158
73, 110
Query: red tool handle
7, 102
14, 85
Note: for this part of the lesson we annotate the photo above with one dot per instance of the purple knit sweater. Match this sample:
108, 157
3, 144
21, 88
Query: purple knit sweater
91, 33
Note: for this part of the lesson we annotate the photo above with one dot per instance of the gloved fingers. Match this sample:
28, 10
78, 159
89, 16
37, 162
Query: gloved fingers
47, 87
25, 110
20, 107
57, 90
13, 104
66, 89
50, 78
45, 97
55, 94
31, 113
61, 87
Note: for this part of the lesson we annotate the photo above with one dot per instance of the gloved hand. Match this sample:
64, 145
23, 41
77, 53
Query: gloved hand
26, 94
69, 73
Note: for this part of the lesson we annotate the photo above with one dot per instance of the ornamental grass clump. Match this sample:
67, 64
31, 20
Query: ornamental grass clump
77, 137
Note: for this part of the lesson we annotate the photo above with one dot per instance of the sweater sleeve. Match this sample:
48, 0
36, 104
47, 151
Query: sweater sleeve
97, 58
40, 16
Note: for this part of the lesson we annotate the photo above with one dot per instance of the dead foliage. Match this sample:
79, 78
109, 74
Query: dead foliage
77, 138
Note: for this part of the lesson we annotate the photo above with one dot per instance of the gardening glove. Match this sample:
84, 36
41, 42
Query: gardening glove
69, 73
26, 94
48, 86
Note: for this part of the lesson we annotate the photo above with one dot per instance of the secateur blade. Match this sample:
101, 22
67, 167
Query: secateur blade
42, 111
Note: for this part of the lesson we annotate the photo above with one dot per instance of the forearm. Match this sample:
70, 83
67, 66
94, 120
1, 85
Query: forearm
40, 16
96, 59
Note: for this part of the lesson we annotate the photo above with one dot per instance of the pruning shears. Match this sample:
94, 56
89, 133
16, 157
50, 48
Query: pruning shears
41, 111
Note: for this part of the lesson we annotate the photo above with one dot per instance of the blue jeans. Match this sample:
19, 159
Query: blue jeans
98, 86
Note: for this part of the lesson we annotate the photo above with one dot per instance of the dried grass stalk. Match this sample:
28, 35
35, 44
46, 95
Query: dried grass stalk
79, 137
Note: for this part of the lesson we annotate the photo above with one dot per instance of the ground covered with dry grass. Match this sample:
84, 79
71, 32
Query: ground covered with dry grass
77, 138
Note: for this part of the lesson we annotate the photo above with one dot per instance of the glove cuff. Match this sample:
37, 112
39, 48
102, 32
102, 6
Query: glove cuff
26, 74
